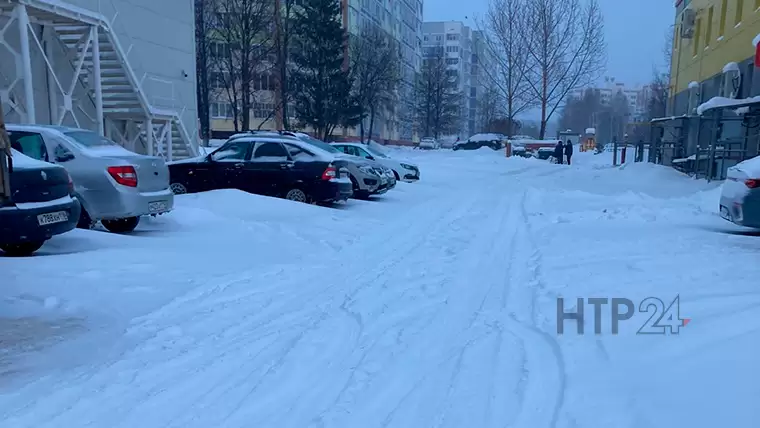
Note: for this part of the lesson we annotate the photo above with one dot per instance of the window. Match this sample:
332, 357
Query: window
271, 152
452, 61
452, 36
695, 40
708, 30
723, 17
363, 153
298, 154
221, 110
739, 11
89, 139
30, 144
233, 152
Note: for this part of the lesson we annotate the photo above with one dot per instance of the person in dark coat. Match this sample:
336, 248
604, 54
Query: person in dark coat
569, 150
558, 150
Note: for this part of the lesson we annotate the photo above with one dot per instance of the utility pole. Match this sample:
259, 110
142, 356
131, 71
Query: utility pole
5, 156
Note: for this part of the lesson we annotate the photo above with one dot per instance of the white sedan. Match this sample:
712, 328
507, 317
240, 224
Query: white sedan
740, 196
402, 169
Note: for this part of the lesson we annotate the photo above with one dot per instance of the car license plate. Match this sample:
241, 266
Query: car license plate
725, 214
52, 218
158, 206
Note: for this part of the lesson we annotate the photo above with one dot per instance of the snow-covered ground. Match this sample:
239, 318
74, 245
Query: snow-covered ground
434, 305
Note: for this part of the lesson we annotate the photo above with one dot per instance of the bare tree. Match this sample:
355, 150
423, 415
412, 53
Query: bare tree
579, 113
490, 109
565, 44
506, 47
375, 65
439, 106
202, 52
241, 45
284, 13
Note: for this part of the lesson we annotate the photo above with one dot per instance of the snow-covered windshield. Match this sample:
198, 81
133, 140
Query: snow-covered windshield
377, 152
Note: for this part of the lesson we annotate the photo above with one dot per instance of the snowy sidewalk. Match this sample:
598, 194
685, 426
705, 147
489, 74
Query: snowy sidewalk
433, 306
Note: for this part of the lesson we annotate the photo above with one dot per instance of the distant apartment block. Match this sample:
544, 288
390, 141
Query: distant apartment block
637, 96
465, 53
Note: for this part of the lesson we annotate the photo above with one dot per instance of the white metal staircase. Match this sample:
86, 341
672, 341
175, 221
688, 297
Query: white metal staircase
100, 66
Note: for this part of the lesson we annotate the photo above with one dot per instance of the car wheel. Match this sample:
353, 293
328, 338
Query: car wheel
21, 249
85, 221
178, 189
122, 225
297, 195
395, 174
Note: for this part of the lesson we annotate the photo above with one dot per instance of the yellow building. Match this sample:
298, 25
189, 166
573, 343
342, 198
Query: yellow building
710, 35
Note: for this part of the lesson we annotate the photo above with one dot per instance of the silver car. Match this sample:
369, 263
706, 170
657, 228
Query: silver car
115, 186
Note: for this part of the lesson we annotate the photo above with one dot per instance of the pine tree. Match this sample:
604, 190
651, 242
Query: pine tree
320, 78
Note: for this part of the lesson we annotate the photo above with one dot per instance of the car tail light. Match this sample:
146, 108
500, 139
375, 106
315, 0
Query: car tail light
124, 175
752, 183
329, 173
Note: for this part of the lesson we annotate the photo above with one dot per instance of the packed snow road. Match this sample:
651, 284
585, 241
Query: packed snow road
435, 305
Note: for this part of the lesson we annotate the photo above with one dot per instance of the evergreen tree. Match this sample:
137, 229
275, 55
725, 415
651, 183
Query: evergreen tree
320, 77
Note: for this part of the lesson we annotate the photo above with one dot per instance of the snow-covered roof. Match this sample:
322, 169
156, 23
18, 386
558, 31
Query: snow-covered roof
693, 85
591, 131
731, 66
486, 137
717, 102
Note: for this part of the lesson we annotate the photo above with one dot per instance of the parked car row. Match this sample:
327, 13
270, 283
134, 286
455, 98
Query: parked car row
64, 177
293, 166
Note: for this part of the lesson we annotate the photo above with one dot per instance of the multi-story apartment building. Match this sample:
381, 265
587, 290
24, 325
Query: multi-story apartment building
457, 42
103, 65
637, 96
402, 20
480, 61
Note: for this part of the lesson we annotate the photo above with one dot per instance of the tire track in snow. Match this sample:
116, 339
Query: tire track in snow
398, 255
181, 311
545, 365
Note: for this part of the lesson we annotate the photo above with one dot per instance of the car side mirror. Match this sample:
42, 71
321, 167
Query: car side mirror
64, 157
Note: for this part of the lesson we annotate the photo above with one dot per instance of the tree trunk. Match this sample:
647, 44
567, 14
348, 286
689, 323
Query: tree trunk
361, 130
202, 85
371, 121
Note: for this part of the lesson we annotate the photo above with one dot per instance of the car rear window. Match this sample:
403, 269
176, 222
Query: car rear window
89, 139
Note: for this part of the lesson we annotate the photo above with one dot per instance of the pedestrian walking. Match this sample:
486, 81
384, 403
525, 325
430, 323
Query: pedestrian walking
640, 151
568, 150
559, 151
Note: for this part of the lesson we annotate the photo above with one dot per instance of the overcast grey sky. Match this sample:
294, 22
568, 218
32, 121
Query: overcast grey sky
634, 31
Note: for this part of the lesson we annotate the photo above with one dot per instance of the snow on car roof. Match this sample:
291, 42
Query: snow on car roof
23, 161
750, 166
485, 137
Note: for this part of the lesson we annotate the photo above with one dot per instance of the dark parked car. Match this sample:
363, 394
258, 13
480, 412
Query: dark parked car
279, 166
493, 141
40, 206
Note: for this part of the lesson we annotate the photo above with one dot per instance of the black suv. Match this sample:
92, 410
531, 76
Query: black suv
270, 165
40, 205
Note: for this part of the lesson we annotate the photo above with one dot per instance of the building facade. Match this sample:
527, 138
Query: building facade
402, 20
124, 69
457, 42
713, 60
